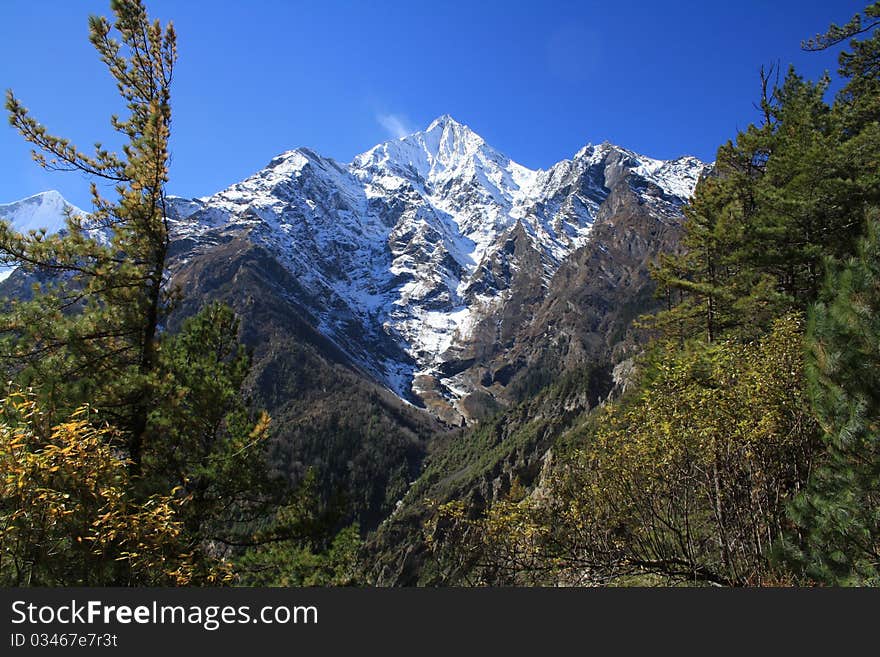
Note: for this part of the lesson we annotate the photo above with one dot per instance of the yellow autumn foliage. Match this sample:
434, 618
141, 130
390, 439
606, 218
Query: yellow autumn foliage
67, 516
687, 481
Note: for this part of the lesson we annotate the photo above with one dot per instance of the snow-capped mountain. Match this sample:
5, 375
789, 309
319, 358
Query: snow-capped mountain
405, 256
44, 211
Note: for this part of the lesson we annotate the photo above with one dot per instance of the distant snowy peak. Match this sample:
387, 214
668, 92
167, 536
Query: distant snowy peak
418, 238
46, 210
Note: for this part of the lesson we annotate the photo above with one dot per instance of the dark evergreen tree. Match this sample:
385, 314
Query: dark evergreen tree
859, 65
715, 286
839, 515
782, 197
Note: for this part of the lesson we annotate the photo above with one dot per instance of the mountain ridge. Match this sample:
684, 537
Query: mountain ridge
403, 253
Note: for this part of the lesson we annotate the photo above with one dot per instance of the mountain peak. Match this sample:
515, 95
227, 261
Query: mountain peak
49, 196
43, 204
443, 121
444, 147
445, 133
44, 211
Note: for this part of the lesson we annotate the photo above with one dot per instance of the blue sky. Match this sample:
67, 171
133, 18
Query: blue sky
537, 80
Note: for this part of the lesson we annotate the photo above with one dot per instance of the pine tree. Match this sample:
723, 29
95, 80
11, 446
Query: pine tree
783, 196
94, 330
90, 331
713, 286
693, 281
839, 515
203, 436
859, 65
811, 199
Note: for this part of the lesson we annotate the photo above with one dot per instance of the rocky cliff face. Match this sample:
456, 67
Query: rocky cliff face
584, 317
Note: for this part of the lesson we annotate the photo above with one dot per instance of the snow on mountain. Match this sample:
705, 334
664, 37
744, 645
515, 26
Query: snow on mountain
451, 166
676, 177
44, 211
401, 252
